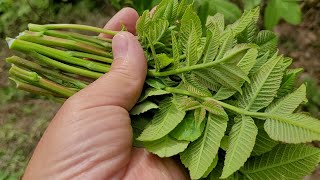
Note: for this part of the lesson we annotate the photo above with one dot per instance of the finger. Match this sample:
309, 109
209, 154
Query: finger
122, 86
127, 17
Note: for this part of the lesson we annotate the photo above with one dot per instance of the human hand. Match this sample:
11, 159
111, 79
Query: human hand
91, 135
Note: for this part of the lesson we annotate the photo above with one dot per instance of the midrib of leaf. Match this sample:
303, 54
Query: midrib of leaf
277, 165
252, 100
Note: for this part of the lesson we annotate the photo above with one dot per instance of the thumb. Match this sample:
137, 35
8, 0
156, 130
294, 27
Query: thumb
122, 86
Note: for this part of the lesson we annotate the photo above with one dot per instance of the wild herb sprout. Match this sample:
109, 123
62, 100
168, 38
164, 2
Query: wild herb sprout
224, 100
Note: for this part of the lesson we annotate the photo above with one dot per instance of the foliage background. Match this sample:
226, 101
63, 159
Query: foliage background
24, 117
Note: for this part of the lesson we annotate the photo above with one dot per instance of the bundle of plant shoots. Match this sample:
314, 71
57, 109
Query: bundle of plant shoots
220, 97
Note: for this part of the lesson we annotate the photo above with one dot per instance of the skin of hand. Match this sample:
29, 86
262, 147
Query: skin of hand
91, 135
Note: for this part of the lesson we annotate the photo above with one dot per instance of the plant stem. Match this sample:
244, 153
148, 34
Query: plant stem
33, 89
36, 80
36, 27
153, 73
225, 105
76, 36
39, 38
37, 68
90, 56
103, 39
28, 47
65, 67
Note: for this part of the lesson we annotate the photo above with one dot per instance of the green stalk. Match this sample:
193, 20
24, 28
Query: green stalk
39, 38
76, 36
103, 39
36, 27
36, 80
33, 89
28, 47
37, 68
65, 67
225, 105
90, 56
153, 73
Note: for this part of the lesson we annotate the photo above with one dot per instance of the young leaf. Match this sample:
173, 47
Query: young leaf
143, 24
164, 121
206, 80
143, 107
226, 43
186, 103
152, 92
192, 45
193, 85
157, 30
283, 162
289, 103
189, 21
164, 60
175, 50
260, 62
216, 22
264, 85
212, 44
164, 10
230, 11
138, 124
241, 24
155, 83
211, 167
200, 154
199, 116
293, 128
288, 82
263, 143
187, 129
268, 41
242, 138
166, 146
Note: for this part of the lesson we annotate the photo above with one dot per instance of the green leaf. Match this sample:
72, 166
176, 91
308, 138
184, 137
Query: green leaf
201, 153
263, 143
190, 22
163, 10
175, 50
186, 103
199, 116
293, 128
216, 22
138, 124
249, 4
163, 122
242, 139
157, 30
206, 80
283, 162
164, 60
277, 9
192, 46
245, 64
289, 103
143, 23
268, 41
288, 82
264, 85
193, 85
166, 146
230, 11
187, 129
226, 43
211, 167
212, 44
155, 83
241, 24
143, 107
260, 62
152, 92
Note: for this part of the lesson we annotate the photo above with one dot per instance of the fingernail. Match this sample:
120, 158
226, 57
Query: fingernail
120, 46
